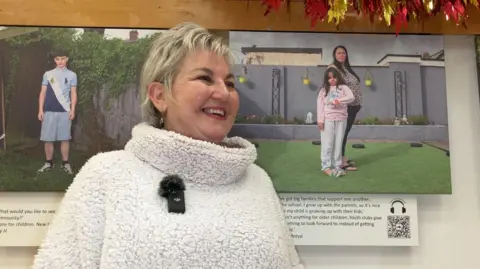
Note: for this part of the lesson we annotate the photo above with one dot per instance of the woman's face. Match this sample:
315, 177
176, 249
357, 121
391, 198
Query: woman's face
205, 100
340, 55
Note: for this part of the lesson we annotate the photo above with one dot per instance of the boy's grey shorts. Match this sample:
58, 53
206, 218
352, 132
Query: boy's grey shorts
56, 126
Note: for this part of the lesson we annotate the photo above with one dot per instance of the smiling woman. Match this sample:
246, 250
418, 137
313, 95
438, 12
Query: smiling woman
210, 191
201, 102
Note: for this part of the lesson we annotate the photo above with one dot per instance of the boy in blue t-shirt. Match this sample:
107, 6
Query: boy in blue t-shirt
56, 110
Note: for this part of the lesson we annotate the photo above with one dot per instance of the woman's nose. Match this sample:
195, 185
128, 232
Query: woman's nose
221, 91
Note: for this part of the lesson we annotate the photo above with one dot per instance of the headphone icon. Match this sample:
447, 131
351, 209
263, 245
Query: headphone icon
392, 209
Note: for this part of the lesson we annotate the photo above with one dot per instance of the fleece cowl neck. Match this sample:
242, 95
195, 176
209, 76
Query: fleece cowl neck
195, 161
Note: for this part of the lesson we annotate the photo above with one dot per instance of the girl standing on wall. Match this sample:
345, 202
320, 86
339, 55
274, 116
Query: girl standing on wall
332, 102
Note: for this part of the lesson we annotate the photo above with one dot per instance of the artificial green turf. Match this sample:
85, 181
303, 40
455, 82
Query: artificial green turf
18, 172
382, 168
293, 166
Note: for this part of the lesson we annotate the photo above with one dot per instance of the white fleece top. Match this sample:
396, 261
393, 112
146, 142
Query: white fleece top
112, 217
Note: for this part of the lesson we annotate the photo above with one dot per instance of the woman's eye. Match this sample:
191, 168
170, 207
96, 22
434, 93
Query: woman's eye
209, 80
230, 84
206, 79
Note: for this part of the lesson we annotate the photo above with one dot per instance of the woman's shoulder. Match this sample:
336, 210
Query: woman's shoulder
260, 176
107, 166
110, 159
258, 171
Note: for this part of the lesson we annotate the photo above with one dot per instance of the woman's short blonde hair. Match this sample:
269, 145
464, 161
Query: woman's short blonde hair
166, 56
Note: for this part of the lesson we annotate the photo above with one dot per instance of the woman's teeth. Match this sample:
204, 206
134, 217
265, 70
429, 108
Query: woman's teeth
217, 112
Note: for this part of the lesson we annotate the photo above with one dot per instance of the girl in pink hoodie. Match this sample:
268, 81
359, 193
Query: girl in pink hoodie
332, 103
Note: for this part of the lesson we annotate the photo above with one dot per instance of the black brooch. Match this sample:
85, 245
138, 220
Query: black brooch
173, 189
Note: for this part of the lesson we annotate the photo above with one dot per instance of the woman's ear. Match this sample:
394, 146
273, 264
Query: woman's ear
157, 95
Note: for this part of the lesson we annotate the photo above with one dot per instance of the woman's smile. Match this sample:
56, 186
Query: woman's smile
218, 113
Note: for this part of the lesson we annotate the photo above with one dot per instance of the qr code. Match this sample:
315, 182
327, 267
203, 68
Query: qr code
399, 227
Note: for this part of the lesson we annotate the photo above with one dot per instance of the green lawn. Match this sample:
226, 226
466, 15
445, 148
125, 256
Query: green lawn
382, 168
18, 172
294, 167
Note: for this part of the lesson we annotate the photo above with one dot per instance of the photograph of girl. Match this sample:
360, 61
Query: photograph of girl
345, 113
332, 116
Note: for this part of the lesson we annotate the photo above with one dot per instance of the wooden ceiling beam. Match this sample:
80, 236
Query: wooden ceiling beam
212, 14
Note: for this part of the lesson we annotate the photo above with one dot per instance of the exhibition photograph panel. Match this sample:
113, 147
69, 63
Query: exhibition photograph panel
328, 112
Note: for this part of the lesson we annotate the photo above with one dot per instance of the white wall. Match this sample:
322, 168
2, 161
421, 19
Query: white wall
449, 225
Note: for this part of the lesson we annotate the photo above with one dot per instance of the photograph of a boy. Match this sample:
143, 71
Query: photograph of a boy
56, 110
332, 101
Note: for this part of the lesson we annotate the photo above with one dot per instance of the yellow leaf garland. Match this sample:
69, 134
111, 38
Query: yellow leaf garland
383, 10
337, 11
389, 7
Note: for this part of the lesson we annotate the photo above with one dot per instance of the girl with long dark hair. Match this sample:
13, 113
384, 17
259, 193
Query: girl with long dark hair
332, 103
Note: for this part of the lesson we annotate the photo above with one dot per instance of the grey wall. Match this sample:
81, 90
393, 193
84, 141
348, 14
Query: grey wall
435, 97
426, 92
256, 95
